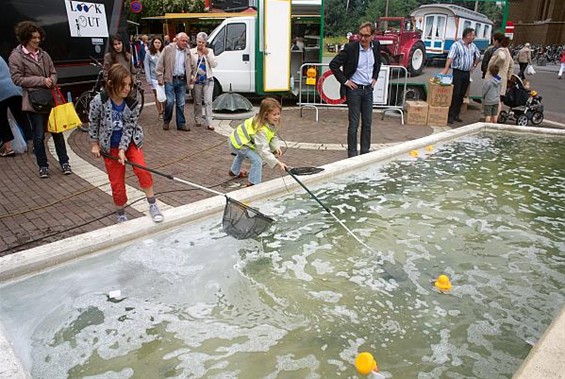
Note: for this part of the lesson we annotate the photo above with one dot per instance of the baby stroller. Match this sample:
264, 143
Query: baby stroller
524, 105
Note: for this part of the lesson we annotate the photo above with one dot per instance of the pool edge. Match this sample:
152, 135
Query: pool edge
547, 358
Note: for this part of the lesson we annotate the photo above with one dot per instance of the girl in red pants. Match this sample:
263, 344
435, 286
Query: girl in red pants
114, 130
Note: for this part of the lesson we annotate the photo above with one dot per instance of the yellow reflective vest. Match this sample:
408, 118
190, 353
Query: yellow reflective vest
244, 133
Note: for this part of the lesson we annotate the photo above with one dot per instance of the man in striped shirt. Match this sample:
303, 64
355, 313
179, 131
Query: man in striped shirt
463, 57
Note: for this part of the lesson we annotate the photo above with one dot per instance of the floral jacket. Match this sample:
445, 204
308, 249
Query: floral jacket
101, 126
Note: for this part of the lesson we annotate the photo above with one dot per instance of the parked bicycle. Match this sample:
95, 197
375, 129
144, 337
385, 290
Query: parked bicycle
82, 105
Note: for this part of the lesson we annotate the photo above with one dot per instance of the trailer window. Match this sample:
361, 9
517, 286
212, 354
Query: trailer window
487, 32
231, 38
428, 27
479, 30
466, 24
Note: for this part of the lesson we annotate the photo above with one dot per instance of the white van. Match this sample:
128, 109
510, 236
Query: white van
255, 52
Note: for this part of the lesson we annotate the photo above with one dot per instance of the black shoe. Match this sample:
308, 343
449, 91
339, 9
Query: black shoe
66, 169
450, 121
458, 119
43, 172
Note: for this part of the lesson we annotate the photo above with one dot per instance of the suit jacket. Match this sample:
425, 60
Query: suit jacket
348, 59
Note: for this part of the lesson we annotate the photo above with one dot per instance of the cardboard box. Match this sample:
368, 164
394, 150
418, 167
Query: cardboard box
416, 112
437, 116
439, 95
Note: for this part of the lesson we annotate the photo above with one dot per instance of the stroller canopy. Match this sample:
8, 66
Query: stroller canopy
516, 94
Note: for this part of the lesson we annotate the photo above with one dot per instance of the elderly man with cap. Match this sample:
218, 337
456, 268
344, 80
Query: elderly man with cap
174, 69
524, 59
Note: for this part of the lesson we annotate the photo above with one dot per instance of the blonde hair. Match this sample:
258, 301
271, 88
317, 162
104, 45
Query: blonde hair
116, 77
268, 105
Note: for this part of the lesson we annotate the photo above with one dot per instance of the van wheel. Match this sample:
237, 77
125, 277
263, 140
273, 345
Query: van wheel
217, 90
416, 58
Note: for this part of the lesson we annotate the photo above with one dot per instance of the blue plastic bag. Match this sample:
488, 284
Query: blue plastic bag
19, 144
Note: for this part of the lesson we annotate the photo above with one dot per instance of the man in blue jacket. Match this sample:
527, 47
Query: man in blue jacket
357, 68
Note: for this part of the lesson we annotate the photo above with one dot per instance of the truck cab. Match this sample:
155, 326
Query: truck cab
262, 52
233, 42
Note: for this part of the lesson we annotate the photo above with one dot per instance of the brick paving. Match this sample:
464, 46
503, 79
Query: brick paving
36, 211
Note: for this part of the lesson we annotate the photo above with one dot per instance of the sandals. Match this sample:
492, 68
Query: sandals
242, 174
7, 153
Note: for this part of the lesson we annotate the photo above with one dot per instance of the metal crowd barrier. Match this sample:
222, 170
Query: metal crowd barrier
389, 93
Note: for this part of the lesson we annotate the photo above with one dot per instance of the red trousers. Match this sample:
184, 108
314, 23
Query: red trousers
117, 173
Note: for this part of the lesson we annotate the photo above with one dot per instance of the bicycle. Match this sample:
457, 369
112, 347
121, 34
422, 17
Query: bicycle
82, 105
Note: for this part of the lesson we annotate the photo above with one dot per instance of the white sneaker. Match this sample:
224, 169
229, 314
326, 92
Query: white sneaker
156, 215
122, 218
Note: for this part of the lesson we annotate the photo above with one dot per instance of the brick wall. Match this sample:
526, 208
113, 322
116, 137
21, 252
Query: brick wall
528, 26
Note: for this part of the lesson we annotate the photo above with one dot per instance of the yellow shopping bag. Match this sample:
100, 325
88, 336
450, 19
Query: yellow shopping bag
63, 116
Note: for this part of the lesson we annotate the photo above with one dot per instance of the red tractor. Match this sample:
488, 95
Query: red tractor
399, 44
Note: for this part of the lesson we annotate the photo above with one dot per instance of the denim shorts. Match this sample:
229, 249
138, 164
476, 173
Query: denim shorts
490, 110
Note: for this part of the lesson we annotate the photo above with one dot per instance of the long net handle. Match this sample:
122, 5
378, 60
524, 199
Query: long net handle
330, 212
168, 176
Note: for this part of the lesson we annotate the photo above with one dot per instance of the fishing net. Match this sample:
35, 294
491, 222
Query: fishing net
242, 222
305, 170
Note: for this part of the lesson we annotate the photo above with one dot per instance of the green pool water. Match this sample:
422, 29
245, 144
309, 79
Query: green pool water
304, 299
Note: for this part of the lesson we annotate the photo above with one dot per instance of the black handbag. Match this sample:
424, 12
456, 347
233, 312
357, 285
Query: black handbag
42, 100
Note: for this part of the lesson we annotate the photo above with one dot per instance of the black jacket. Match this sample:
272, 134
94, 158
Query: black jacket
348, 59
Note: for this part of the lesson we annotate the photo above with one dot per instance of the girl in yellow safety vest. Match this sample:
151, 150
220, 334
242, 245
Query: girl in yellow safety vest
256, 140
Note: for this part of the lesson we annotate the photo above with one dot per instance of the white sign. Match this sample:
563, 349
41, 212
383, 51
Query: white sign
380, 92
86, 19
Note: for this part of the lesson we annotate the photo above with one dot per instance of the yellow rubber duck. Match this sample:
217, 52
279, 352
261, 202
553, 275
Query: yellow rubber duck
443, 283
365, 363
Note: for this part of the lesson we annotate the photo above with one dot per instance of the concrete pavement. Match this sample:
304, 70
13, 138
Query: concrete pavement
36, 211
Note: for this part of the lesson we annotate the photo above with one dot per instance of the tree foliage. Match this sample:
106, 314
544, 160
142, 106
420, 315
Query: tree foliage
160, 7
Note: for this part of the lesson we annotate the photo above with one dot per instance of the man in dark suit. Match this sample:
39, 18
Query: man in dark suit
357, 68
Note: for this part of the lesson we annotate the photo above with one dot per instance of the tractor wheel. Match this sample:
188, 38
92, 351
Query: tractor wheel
385, 58
412, 93
416, 58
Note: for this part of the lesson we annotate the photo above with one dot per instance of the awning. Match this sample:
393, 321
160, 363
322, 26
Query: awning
208, 15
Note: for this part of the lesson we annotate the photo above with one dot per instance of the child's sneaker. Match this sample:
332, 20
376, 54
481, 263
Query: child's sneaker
66, 169
156, 215
122, 218
43, 172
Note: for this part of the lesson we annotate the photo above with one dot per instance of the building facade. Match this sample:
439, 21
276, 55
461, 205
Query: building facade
538, 21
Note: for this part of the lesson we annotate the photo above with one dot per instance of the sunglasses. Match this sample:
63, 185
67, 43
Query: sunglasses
365, 35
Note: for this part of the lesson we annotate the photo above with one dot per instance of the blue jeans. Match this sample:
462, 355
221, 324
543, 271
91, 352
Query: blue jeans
176, 93
359, 102
256, 163
38, 123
